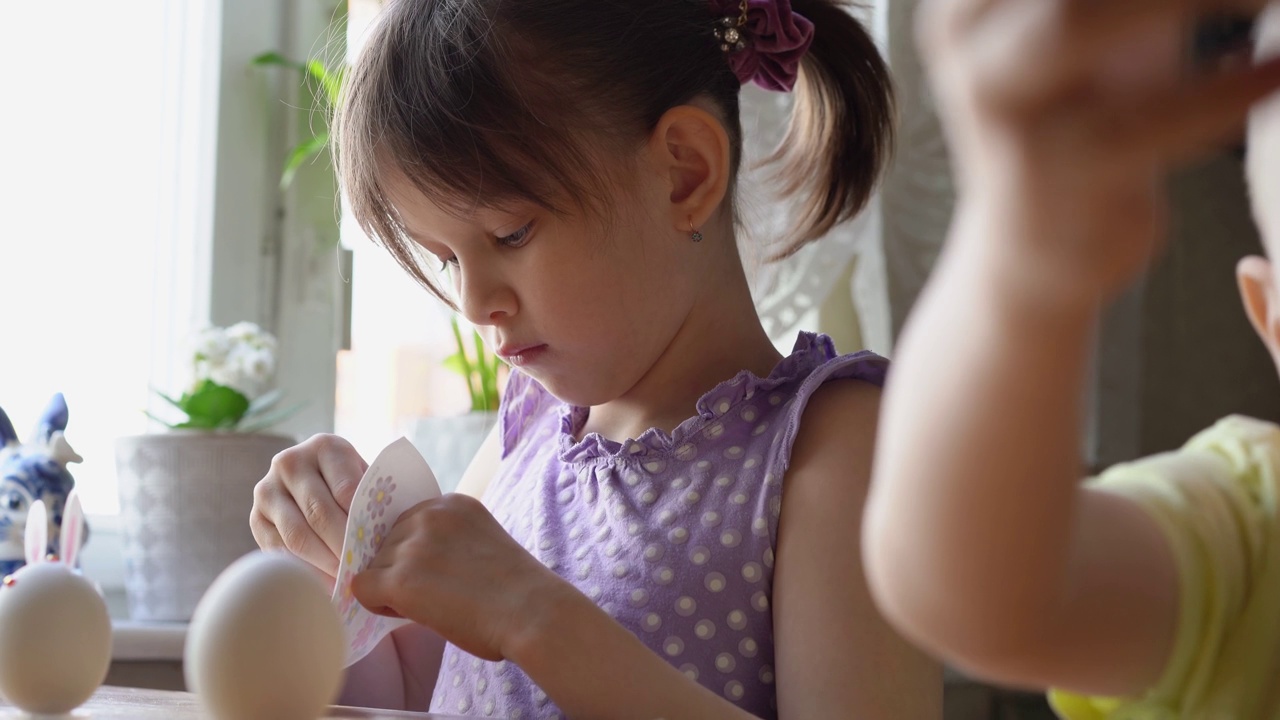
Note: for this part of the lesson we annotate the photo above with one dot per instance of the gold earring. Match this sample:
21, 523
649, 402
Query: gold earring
694, 233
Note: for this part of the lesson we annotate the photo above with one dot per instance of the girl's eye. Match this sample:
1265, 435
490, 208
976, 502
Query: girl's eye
518, 238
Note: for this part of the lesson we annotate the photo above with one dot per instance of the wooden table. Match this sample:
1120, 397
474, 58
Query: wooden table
117, 703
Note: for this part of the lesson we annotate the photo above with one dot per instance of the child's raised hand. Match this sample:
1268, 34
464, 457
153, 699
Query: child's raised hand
1063, 116
302, 503
448, 565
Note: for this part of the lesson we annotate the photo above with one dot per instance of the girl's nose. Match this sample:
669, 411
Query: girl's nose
486, 298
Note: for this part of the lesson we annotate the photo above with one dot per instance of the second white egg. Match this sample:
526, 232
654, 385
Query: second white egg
265, 643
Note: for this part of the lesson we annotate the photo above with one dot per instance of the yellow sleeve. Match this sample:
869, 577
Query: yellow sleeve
1216, 501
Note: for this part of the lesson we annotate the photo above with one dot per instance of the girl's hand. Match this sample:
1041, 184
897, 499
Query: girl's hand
1063, 116
302, 504
447, 564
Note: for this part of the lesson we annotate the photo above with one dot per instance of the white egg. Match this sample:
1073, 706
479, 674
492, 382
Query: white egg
265, 643
55, 639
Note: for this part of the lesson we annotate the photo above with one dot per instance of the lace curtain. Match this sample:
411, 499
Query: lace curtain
892, 244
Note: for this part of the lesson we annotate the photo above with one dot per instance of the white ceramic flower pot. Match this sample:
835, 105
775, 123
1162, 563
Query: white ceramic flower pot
449, 443
185, 498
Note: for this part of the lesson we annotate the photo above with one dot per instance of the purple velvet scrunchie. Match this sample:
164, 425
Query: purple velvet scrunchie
776, 39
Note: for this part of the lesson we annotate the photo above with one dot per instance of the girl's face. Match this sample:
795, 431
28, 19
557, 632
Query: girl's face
584, 306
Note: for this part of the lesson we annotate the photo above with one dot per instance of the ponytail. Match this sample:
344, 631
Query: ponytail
840, 136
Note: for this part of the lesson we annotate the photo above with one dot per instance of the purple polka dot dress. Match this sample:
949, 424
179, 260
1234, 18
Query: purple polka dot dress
672, 535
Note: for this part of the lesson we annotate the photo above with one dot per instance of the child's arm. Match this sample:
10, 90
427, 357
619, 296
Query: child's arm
835, 656
980, 540
1062, 117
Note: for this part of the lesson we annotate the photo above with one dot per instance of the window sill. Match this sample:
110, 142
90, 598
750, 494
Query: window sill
147, 642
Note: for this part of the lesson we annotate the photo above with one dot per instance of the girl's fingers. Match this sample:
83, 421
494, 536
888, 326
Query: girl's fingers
1026, 53
373, 589
341, 467
1197, 118
308, 494
282, 527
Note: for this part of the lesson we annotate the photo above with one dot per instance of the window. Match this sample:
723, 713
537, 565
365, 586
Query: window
80, 168
139, 201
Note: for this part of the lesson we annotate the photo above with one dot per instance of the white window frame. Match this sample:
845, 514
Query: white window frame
232, 247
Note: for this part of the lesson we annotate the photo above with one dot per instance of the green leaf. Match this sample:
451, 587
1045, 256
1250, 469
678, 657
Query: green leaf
160, 420
486, 387
495, 399
274, 58
267, 420
340, 77
457, 363
300, 154
264, 402
330, 81
214, 405
176, 403
462, 353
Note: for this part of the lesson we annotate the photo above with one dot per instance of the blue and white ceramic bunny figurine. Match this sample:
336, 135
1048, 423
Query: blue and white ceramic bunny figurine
29, 472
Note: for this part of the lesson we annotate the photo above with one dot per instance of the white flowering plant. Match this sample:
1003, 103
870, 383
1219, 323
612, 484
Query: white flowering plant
232, 388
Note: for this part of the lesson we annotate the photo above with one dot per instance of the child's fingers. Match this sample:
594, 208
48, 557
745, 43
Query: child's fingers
1024, 56
286, 529
374, 589
1025, 53
369, 588
341, 467
1124, 29
1195, 119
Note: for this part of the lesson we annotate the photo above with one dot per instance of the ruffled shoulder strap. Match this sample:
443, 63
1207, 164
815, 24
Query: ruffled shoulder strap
865, 366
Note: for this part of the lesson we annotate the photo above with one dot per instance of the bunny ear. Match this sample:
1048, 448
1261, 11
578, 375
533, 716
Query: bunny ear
37, 532
72, 530
54, 418
7, 434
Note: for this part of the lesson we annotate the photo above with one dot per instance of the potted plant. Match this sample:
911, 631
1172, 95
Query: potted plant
324, 84
185, 493
449, 443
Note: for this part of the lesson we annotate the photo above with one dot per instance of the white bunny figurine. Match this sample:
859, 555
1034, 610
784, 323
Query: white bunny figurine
55, 634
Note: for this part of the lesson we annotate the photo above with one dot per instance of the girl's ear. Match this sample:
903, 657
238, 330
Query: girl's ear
1255, 277
691, 151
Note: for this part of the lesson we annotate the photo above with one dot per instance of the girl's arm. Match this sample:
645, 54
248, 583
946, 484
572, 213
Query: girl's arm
592, 667
400, 673
835, 656
980, 541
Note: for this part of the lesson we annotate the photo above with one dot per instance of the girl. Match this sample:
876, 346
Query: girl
668, 512
1152, 592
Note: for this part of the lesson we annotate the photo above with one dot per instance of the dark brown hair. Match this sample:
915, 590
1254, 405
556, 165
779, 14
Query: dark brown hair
485, 102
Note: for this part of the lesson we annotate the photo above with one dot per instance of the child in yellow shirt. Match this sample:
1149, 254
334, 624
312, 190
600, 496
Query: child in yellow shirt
1152, 592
